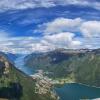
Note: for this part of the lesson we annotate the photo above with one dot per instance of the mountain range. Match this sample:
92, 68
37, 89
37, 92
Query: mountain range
79, 65
82, 66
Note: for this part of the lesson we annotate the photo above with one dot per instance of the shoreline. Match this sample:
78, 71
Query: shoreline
79, 84
71, 81
88, 85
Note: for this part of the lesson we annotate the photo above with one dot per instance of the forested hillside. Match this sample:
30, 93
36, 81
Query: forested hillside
15, 85
84, 65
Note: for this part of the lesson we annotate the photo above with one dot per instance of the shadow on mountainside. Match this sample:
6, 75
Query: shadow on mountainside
14, 91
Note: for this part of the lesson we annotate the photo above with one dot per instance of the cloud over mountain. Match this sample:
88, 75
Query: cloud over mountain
33, 25
59, 33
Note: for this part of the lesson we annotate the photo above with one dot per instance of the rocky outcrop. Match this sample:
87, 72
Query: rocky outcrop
4, 65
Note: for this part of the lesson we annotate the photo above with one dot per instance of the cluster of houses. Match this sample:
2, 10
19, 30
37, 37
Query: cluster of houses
43, 84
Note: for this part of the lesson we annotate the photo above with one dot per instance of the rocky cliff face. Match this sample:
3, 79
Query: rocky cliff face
4, 66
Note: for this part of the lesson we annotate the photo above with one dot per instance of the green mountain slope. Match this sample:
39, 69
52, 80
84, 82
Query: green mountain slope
82, 65
15, 85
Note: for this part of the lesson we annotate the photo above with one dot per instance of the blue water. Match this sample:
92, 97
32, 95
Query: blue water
19, 63
76, 91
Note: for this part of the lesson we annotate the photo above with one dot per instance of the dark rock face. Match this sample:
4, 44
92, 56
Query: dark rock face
2, 68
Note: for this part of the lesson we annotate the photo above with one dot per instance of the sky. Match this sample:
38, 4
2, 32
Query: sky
28, 26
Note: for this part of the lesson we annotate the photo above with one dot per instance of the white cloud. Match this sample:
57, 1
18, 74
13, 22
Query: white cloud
24, 4
60, 33
91, 28
32, 44
88, 3
77, 25
62, 40
24, 45
49, 42
92, 43
61, 25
